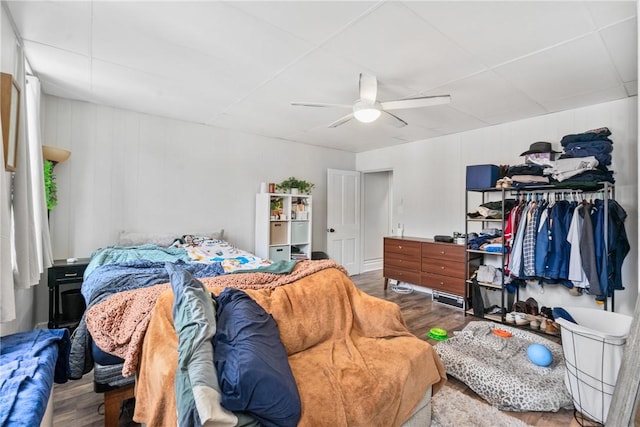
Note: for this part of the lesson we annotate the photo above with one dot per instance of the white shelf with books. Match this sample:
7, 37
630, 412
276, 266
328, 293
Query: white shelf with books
283, 226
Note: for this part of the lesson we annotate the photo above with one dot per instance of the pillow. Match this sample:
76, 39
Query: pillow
128, 238
198, 238
252, 364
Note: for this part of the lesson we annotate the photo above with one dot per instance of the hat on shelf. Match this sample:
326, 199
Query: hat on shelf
539, 147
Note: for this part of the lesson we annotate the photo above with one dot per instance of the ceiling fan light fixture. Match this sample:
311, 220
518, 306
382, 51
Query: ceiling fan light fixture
366, 113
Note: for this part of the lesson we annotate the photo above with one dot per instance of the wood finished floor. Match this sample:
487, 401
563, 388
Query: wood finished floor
76, 404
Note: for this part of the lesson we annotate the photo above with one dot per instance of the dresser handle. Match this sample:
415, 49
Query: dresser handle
442, 267
70, 274
399, 247
441, 283
442, 252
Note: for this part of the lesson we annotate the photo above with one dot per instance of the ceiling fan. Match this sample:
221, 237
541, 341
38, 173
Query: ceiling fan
367, 109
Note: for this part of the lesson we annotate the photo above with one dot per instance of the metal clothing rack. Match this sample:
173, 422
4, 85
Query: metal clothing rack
604, 189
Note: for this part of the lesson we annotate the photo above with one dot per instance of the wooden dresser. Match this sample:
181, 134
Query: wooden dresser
402, 258
443, 267
424, 262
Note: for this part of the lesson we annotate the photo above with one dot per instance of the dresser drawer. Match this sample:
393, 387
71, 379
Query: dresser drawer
440, 250
447, 284
402, 275
444, 267
394, 260
406, 248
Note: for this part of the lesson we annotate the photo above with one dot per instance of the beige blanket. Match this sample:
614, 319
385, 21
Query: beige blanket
118, 324
354, 361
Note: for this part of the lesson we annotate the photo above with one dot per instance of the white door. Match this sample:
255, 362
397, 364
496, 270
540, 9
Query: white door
343, 218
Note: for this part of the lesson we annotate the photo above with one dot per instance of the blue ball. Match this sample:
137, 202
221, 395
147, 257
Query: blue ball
539, 355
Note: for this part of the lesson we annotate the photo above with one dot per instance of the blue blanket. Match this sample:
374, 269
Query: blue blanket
29, 363
109, 279
121, 254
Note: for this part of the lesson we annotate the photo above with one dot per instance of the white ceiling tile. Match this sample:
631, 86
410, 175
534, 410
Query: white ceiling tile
577, 67
211, 28
620, 39
499, 31
441, 118
631, 88
582, 100
396, 44
487, 95
121, 45
607, 12
69, 72
62, 24
313, 21
133, 90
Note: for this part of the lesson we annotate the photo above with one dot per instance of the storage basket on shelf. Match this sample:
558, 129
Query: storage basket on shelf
593, 348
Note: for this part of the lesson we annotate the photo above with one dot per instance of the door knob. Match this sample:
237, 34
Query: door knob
331, 230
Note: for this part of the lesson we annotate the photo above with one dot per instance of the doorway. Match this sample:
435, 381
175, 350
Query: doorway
376, 217
359, 215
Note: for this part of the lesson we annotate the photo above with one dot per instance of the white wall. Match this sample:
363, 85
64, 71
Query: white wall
377, 221
429, 177
136, 172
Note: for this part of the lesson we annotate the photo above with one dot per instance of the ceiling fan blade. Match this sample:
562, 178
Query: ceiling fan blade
341, 121
393, 120
368, 88
320, 104
422, 101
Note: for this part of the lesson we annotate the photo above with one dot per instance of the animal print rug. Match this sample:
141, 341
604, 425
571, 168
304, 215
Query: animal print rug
500, 372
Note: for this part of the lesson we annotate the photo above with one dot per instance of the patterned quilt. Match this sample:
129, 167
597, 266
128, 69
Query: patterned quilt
210, 250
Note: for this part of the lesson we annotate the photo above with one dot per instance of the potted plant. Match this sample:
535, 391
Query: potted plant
50, 187
293, 185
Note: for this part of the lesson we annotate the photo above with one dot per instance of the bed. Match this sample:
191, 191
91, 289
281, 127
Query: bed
352, 359
30, 362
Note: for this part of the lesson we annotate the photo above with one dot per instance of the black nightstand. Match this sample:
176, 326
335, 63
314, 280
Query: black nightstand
63, 273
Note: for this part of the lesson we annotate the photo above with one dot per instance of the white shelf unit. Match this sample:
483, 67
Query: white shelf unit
283, 226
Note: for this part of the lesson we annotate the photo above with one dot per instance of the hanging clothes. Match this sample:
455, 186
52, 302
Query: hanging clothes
587, 249
515, 262
557, 265
618, 245
543, 239
529, 243
576, 272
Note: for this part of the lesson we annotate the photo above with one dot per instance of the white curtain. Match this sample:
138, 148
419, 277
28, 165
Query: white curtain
44, 253
25, 245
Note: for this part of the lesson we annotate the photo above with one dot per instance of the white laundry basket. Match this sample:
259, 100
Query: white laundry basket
593, 350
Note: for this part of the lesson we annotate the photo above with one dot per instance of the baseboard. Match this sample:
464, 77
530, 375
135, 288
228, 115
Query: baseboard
371, 265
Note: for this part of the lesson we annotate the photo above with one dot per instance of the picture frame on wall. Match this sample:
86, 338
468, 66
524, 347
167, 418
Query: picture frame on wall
10, 119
